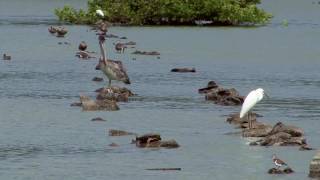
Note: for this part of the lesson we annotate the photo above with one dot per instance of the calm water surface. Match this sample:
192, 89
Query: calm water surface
42, 137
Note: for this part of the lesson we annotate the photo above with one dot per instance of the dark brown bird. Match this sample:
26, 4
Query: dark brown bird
82, 46
6, 57
52, 30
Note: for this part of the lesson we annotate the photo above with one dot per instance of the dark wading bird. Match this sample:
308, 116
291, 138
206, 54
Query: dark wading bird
114, 70
120, 47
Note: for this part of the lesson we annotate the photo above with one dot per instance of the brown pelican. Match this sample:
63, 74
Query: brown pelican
6, 57
82, 46
114, 70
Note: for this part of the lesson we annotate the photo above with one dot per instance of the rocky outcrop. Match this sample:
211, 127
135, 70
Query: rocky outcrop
153, 140
114, 93
183, 70
221, 96
96, 105
277, 135
314, 167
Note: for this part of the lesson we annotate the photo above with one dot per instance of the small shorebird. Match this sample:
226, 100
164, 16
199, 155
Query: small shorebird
114, 70
278, 162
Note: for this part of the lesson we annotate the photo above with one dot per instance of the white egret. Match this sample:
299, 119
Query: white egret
100, 12
250, 101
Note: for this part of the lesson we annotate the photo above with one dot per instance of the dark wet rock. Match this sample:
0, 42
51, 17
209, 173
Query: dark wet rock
115, 132
221, 96
211, 85
82, 46
287, 170
314, 167
91, 105
113, 145
153, 140
97, 79
6, 57
164, 169
258, 130
183, 70
305, 147
123, 37
119, 94
111, 36
151, 53
292, 130
76, 104
98, 119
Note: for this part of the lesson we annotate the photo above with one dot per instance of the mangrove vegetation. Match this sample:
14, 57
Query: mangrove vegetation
168, 12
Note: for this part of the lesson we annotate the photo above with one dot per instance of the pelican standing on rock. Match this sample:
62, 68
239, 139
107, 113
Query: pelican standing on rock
251, 100
114, 70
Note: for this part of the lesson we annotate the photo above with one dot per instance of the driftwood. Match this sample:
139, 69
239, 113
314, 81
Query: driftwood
183, 70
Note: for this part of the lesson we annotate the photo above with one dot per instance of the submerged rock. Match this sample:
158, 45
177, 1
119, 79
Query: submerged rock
114, 93
91, 105
98, 119
115, 132
97, 79
151, 53
183, 70
76, 104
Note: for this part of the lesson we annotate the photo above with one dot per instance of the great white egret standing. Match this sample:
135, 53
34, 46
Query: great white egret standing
250, 101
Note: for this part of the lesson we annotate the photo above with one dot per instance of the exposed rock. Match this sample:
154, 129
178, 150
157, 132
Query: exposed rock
287, 170
292, 130
84, 55
130, 43
154, 141
6, 57
314, 167
152, 53
114, 93
226, 97
115, 132
97, 79
98, 119
82, 46
91, 105
211, 85
258, 130
61, 31
183, 70
305, 147
52, 29
164, 169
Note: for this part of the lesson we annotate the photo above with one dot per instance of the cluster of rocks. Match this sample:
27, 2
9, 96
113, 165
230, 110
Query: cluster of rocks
59, 31
221, 96
106, 99
150, 140
267, 135
314, 167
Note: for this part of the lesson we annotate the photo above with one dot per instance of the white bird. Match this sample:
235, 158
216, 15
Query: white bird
250, 101
100, 12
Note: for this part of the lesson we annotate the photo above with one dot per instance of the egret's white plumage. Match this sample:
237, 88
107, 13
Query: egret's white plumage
252, 99
100, 12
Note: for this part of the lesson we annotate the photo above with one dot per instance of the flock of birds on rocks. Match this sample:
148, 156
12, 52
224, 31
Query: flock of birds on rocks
115, 70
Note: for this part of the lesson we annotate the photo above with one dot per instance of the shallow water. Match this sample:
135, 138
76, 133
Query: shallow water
42, 137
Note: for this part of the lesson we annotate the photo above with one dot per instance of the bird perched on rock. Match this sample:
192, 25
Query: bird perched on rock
278, 162
114, 70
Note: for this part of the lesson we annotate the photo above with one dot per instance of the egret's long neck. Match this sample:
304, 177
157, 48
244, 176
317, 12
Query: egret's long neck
103, 53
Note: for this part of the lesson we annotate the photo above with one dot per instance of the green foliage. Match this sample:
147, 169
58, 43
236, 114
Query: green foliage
171, 12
